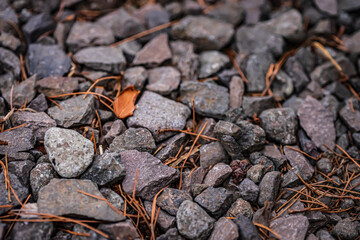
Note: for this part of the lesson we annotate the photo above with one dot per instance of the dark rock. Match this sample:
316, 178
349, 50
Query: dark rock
3, 108
313, 89
196, 177
290, 178
331, 104
171, 147
230, 12
204, 32
273, 153
155, 113
318, 123
236, 92
22, 170
47, 60
153, 175
351, 42
18, 140
9, 62
135, 76
268, 187
296, 72
164, 220
257, 65
156, 17
102, 58
297, 159
225, 229
255, 105
282, 85
290, 227
38, 25
217, 175
350, 118
231, 146
256, 172
22, 92
212, 62
324, 165
171, 234
163, 80
9, 41
226, 75
316, 220
252, 137
240, 207
249, 191
323, 234
117, 128
154, 53
211, 154
346, 229
75, 111
348, 5
193, 222
170, 200
41, 176
306, 144
56, 85
328, 6
120, 230
227, 128
356, 139
197, 188
113, 198
86, 34
247, 229
32, 230
39, 103
69, 152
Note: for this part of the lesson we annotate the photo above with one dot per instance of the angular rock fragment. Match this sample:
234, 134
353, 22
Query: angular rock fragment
215, 200
171, 147
249, 191
21, 92
40, 176
38, 25
217, 175
211, 62
240, 207
185, 59
56, 85
9, 62
290, 227
32, 230
255, 105
225, 229
164, 220
247, 229
297, 159
211, 154
170, 200
163, 80
252, 137
269, 187
236, 92
18, 140
350, 117
257, 65
135, 76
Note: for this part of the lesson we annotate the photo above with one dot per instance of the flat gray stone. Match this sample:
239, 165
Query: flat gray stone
163, 80
18, 140
269, 187
298, 160
292, 227
40, 176
212, 62
225, 229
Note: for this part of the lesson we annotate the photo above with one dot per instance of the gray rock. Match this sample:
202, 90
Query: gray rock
164, 220
172, 234
291, 179
346, 229
351, 42
9, 62
296, 72
106, 169
328, 6
339, 90
56, 85
255, 105
69, 152
22, 170
75, 111
22, 91
252, 137
196, 177
331, 104
236, 92
348, 5
139, 139
249, 191
204, 32
155, 117
32, 230
135, 76
324, 165
323, 234
217, 175
225, 229
153, 175
38, 25
210, 99
113, 198
257, 65
171, 147
47, 60
247, 229
211, 62
291, 227
61, 197
282, 85
230, 12
18, 140
9, 41
350, 118
211, 154
39, 103
269, 187
102, 58
41, 176
280, 124
163, 80
193, 222
356, 139
297, 159
316, 220
256, 172
227, 128
170, 200
318, 123
231, 146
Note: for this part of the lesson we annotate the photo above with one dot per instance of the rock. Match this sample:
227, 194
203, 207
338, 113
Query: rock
295, 70
317, 123
257, 65
324, 165
208, 130
230, 12
22, 91
298, 159
106, 169
249, 191
41, 176
351, 42
316, 220
155, 52
346, 229
22, 170
240, 207
328, 6
211, 154
18, 140
339, 90
165, 221
204, 32
75, 111
291, 227
102, 58
69, 152
247, 229
47, 60
9, 41
150, 114
273, 153
139, 139
210, 99
172, 234
113, 198
197, 188
163, 80
120, 230
39, 122
356, 139
196, 177
217, 175
225, 229
135, 76
9, 62
252, 137
255, 105
39, 104
227, 128
331, 104
282, 85
350, 118
56, 85
256, 172
61, 197
32, 230
268, 187
153, 175
117, 128
38, 25
170, 200
193, 222
171, 147
348, 5
280, 124
236, 92
86, 34
211, 62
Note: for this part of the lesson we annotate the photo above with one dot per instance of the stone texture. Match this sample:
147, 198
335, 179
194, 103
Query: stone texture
32, 230
211, 154
247, 229
225, 229
255, 105
249, 191
39, 103
56, 85
163, 80
290, 227
18, 140
269, 187
328, 6
117, 128
297, 159
135, 76
346, 229
171, 146
215, 200
22, 170
170, 200
38, 25
152, 176
9, 62
217, 175
41, 176
211, 62
236, 92
350, 118
69, 152
252, 137
120, 230
22, 91
257, 65
165, 221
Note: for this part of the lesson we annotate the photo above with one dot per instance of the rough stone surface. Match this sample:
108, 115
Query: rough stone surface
163, 80
9, 62
215, 200
38, 25
171, 147
217, 175
268, 187
135, 76
69, 152
350, 118
165, 221
170, 200
18, 140
240, 207
56, 85
256, 68
22, 91
120, 230
252, 137
225, 229
211, 62
247, 229
290, 227
346, 229
328, 6
249, 191
236, 92
32, 230
113, 198
255, 105
297, 159
211, 154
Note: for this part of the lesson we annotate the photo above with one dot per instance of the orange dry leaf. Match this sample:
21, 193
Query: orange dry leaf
124, 104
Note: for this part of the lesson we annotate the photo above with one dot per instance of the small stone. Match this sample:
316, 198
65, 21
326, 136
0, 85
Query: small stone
225, 229
21, 92
56, 85
211, 154
331, 104
152, 174
282, 85
346, 229
295, 70
255, 105
252, 137
269, 187
318, 123
350, 118
236, 92
197, 188
102, 58
75, 111
172, 234
47, 60
324, 165
135, 76
339, 90
240, 207
247, 229
316, 220
155, 113
106, 169
171, 147
230, 12
356, 139
297, 159
196, 177
227, 128
170, 200
38, 25
217, 175
351, 42
69, 152
204, 32
139, 139
292, 227
32, 230
211, 62
120, 230
117, 128
207, 131
86, 34
155, 52
257, 66
9, 62
231, 146
9, 41
164, 220
280, 124
113, 198
22, 170
163, 80
18, 140
328, 6
249, 191
256, 172
290, 178
39, 103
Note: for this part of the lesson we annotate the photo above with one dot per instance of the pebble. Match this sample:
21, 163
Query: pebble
69, 152
165, 221
230, 12
22, 170
236, 92
117, 128
225, 229
56, 85
217, 175
172, 233
21, 92
247, 229
269, 187
10, 62
139, 139
120, 230
38, 25
212, 62
316, 220
171, 146
211, 154
252, 137
210, 99
273, 153
163, 80
136, 76
323, 234
113, 198
170, 200
295, 70
150, 114
75, 111
292, 227
206, 33
350, 118
47, 60
257, 65
193, 222
9, 41
32, 230
346, 229
18, 140
255, 105
152, 174
351, 42
196, 177
249, 191
328, 6
324, 165
282, 85
240, 207
297, 159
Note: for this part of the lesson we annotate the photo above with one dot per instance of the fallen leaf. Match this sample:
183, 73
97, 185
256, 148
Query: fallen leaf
124, 104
